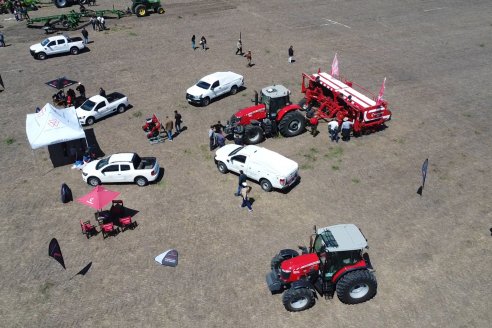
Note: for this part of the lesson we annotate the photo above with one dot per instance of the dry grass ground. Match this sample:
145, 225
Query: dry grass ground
432, 253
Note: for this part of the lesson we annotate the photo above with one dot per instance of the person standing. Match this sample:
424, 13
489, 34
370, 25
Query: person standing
346, 127
249, 57
245, 191
93, 22
169, 128
81, 89
333, 130
177, 121
103, 23
239, 48
211, 137
242, 179
102, 92
2, 40
99, 24
218, 127
203, 42
193, 42
85, 34
313, 122
291, 55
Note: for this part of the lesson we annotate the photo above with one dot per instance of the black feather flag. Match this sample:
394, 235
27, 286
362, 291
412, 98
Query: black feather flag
55, 252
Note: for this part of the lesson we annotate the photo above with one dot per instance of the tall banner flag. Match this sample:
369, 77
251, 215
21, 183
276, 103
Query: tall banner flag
55, 252
425, 165
381, 93
334, 67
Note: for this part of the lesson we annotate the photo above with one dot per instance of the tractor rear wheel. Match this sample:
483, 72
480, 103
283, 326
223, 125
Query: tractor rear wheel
292, 124
296, 300
140, 11
253, 134
356, 287
61, 3
285, 254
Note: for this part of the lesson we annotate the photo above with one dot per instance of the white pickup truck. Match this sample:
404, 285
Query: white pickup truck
56, 45
97, 107
269, 168
213, 86
121, 167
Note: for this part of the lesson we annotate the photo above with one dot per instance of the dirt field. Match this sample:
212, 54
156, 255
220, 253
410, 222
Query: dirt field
432, 254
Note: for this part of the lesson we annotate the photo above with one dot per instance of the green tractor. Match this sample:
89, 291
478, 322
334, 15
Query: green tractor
144, 7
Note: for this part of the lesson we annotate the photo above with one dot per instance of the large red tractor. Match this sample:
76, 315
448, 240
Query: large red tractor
271, 114
335, 262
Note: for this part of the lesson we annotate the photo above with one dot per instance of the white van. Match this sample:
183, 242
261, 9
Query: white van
269, 168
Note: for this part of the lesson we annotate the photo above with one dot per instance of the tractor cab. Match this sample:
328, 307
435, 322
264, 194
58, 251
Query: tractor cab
337, 247
274, 98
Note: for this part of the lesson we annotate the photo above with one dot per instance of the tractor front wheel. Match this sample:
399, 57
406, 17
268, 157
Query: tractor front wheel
140, 11
292, 124
253, 134
296, 300
356, 287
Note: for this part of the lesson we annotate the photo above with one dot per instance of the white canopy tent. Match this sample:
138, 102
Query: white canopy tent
51, 126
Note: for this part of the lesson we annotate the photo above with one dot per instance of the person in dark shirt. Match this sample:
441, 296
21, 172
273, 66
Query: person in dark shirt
242, 179
102, 92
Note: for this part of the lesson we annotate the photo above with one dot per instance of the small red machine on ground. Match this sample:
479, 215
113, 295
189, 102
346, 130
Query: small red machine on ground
335, 261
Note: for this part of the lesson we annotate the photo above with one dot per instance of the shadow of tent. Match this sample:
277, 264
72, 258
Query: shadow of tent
129, 212
66, 153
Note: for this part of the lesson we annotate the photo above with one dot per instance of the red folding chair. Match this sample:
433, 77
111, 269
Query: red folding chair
88, 229
127, 223
108, 229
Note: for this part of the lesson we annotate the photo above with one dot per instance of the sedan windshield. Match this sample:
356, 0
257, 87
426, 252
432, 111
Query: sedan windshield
235, 151
203, 85
102, 163
45, 42
88, 105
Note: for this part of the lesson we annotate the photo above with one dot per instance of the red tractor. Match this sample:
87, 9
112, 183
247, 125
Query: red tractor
326, 97
273, 113
335, 261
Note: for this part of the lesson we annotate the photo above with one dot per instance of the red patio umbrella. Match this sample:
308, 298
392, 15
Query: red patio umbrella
98, 198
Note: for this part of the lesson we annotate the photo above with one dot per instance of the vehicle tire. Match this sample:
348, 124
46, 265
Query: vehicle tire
292, 124
233, 90
160, 10
65, 24
266, 185
121, 109
205, 101
279, 258
90, 120
61, 3
356, 287
222, 168
74, 51
41, 56
253, 134
83, 2
296, 300
141, 181
140, 11
93, 181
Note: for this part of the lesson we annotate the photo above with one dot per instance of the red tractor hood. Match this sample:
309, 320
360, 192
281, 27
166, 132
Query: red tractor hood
250, 111
299, 266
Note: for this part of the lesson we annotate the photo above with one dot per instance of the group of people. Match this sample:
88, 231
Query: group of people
98, 23
216, 136
334, 128
68, 99
169, 125
19, 10
203, 43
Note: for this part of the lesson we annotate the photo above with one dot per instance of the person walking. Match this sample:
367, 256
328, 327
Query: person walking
245, 191
93, 22
242, 179
203, 42
2, 40
85, 34
177, 121
249, 57
211, 137
291, 55
346, 127
333, 130
193, 42
169, 128
102, 92
239, 48
313, 122
81, 89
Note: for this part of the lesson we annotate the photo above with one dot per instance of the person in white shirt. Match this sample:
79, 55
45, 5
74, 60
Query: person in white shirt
346, 127
333, 130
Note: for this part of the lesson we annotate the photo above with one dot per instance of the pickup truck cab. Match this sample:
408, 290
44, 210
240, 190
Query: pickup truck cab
213, 86
97, 107
121, 167
269, 168
56, 45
